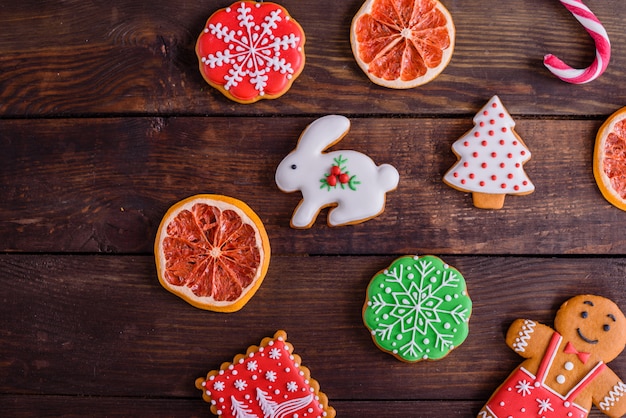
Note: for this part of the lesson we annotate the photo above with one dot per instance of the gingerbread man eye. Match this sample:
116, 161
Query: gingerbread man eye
584, 314
606, 327
293, 166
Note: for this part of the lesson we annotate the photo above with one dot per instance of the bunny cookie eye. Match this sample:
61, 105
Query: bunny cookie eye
293, 166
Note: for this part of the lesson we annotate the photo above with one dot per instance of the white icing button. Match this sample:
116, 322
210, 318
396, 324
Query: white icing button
567, 404
560, 379
537, 384
502, 404
569, 365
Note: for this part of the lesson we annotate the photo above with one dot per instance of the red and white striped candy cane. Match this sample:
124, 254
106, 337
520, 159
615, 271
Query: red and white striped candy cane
603, 47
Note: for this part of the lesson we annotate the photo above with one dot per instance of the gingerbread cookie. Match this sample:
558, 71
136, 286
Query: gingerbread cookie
251, 51
418, 308
402, 44
565, 370
491, 158
268, 381
348, 180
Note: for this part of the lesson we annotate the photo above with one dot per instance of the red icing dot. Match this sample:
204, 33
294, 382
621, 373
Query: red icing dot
484, 165
482, 184
486, 112
516, 187
502, 142
523, 152
494, 178
501, 115
482, 124
476, 134
456, 174
475, 154
504, 129
483, 143
494, 155
502, 165
503, 185
492, 122
463, 181
466, 144
465, 164
514, 143
509, 155
525, 183
494, 105
471, 175
491, 133
517, 165
510, 176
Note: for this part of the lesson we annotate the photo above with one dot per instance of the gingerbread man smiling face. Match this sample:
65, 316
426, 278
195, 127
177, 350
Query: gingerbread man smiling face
565, 370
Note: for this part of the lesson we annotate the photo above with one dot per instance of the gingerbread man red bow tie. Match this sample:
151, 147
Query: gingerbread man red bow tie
570, 349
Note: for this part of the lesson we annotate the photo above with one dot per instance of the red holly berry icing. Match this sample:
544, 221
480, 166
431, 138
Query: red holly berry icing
251, 50
269, 381
339, 175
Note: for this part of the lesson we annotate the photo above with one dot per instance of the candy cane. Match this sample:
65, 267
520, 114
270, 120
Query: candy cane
603, 47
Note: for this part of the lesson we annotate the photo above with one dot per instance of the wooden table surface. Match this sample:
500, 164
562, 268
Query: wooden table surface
105, 122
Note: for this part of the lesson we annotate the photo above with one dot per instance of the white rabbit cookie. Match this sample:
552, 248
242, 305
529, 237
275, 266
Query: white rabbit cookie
349, 180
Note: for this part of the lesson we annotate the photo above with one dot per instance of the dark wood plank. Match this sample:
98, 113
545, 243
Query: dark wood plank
103, 326
77, 58
85, 185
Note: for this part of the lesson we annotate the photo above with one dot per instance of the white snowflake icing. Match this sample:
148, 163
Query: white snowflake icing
544, 405
416, 310
275, 353
292, 386
218, 386
270, 375
252, 366
240, 384
524, 387
253, 49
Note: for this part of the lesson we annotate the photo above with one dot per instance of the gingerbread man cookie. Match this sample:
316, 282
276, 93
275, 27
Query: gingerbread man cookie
565, 370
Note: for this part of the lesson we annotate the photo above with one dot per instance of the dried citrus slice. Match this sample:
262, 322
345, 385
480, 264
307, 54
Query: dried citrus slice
609, 160
212, 251
402, 43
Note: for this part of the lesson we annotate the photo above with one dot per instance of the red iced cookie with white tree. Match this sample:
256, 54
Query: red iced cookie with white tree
251, 51
491, 158
268, 381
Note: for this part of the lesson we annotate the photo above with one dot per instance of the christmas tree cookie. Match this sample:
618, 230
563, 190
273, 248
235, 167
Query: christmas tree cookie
491, 158
417, 309
268, 381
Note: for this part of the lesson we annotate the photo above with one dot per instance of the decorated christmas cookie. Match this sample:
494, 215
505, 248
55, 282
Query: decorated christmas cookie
565, 371
491, 158
348, 180
417, 308
251, 51
402, 44
269, 381
609, 160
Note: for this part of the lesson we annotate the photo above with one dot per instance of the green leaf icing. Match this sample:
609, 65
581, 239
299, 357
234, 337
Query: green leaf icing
418, 308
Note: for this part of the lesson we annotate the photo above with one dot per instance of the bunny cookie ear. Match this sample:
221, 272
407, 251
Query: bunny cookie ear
323, 133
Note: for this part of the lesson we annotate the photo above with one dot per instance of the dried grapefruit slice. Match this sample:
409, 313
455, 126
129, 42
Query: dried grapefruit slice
609, 160
402, 43
212, 251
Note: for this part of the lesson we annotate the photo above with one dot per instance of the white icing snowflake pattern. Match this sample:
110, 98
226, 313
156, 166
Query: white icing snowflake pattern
253, 49
524, 387
544, 405
270, 375
218, 386
292, 386
275, 353
240, 384
413, 308
252, 366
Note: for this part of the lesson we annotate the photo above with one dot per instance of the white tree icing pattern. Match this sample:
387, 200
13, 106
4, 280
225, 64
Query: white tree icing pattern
418, 308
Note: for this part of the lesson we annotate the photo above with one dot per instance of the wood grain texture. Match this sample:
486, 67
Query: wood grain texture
105, 122
83, 58
84, 185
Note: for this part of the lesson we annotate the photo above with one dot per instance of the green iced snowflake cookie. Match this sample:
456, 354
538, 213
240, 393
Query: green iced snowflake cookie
418, 308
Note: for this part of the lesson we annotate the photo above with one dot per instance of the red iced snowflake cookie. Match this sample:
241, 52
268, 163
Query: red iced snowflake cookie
268, 381
251, 51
